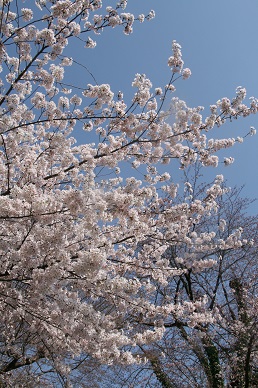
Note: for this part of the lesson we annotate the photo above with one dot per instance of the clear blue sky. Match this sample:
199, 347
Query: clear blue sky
219, 43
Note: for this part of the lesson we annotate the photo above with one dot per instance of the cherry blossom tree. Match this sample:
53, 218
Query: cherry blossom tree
80, 255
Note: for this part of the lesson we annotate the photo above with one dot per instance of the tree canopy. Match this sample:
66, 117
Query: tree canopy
88, 256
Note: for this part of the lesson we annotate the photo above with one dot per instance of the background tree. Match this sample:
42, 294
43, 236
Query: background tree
222, 353
83, 259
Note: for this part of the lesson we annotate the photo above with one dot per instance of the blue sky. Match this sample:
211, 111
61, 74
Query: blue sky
219, 44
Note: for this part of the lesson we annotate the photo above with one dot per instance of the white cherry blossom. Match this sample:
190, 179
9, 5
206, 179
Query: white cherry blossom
82, 247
